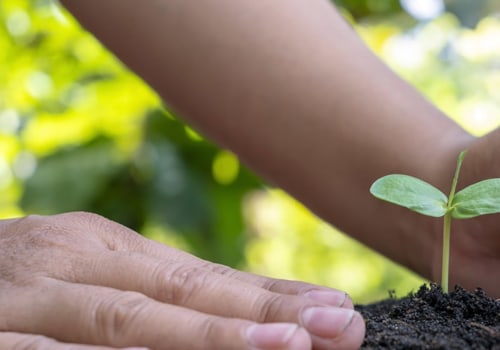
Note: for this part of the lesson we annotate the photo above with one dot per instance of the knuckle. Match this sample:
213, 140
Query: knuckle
271, 284
268, 307
85, 220
119, 314
208, 331
221, 269
182, 282
114, 235
217, 333
220, 333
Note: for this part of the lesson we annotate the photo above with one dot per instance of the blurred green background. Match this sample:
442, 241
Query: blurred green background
78, 131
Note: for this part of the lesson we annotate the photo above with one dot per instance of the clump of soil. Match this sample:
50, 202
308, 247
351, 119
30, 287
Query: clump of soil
431, 320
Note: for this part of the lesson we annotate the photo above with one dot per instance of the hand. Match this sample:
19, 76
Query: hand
78, 278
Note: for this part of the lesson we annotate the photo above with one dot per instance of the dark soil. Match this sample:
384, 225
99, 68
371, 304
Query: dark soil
432, 320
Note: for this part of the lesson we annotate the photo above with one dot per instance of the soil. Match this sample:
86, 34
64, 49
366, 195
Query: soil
432, 320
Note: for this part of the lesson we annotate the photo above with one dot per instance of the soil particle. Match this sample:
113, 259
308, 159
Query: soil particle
432, 320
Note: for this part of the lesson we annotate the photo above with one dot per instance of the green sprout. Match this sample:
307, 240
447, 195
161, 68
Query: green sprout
477, 199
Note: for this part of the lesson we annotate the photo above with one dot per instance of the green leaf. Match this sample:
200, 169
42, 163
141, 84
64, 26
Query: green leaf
478, 199
412, 193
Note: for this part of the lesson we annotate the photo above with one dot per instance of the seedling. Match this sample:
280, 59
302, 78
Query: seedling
480, 198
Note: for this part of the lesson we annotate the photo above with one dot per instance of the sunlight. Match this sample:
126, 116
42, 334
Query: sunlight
423, 9
225, 167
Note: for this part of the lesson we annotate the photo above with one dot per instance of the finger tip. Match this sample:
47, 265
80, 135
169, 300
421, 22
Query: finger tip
348, 303
354, 334
330, 297
351, 337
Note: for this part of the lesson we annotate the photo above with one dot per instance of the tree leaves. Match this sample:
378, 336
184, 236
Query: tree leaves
412, 193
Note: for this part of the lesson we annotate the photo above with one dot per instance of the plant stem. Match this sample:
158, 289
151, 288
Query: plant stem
446, 252
445, 264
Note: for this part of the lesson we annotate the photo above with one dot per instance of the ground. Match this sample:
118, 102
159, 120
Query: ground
432, 320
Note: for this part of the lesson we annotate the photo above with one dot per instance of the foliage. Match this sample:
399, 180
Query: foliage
78, 131
407, 191
410, 192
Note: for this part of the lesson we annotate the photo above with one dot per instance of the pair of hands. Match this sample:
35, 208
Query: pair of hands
78, 278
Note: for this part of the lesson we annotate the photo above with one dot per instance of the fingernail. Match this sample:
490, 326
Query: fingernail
327, 322
277, 335
331, 298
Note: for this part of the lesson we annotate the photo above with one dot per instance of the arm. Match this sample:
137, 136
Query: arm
290, 88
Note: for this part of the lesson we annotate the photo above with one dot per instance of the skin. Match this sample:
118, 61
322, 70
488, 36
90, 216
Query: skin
78, 278
290, 88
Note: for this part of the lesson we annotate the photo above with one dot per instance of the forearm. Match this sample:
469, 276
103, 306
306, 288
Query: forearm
289, 87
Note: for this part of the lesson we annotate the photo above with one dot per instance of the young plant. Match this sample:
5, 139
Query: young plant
477, 199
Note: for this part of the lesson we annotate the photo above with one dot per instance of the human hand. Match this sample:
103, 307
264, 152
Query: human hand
78, 278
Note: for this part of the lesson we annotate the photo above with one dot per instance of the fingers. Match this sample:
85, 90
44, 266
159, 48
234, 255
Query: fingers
199, 289
116, 237
12, 341
329, 296
104, 316
333, 328
205, 294
120, 238
137, 243
188, 284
